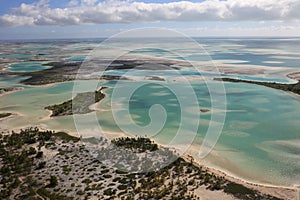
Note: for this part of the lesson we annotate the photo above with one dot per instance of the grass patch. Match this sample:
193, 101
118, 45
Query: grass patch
238, 189
122, 187
66, 137
121, 172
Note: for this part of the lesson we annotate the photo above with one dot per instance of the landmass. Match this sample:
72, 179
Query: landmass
295, 88
79, 105
155, 78
61, 71
9, 89
3, 115
39, 164
294, 75
204, 110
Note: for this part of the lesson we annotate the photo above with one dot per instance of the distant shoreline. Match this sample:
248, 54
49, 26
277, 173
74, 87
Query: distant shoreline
25, 40
294, 88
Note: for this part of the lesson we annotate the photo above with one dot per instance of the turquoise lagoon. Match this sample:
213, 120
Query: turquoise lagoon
27, 67
260, 140
260, 136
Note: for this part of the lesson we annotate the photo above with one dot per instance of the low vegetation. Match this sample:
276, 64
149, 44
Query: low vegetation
74, 173
8, 89
20, 156
66, 137
79, 105
60, 72
295, 88
140, 144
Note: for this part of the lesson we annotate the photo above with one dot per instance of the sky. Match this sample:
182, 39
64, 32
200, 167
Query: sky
36, 19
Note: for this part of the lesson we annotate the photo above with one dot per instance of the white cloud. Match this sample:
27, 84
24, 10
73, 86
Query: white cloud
89, 2
114, 11
73, 3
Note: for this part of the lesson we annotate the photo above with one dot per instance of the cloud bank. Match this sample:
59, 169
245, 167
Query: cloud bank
116, 11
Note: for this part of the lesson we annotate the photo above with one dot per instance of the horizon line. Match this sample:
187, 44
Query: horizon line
161, 37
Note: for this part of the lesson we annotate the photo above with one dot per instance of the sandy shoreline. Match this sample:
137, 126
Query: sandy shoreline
12, 91
279, 191
283, 192
294, 75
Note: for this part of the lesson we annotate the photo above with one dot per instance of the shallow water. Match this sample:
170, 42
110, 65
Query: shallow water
76, 58
260, 139
258, 120
27, 67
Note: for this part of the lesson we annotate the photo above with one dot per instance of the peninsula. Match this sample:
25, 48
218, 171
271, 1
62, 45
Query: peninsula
295, 88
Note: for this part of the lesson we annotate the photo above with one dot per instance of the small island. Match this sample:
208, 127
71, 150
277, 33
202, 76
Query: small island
204, 110
9, 89
79, 105
155, 78
4, 115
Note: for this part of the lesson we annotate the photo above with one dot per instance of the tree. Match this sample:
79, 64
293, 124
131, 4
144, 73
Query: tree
39, 154
53, 181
